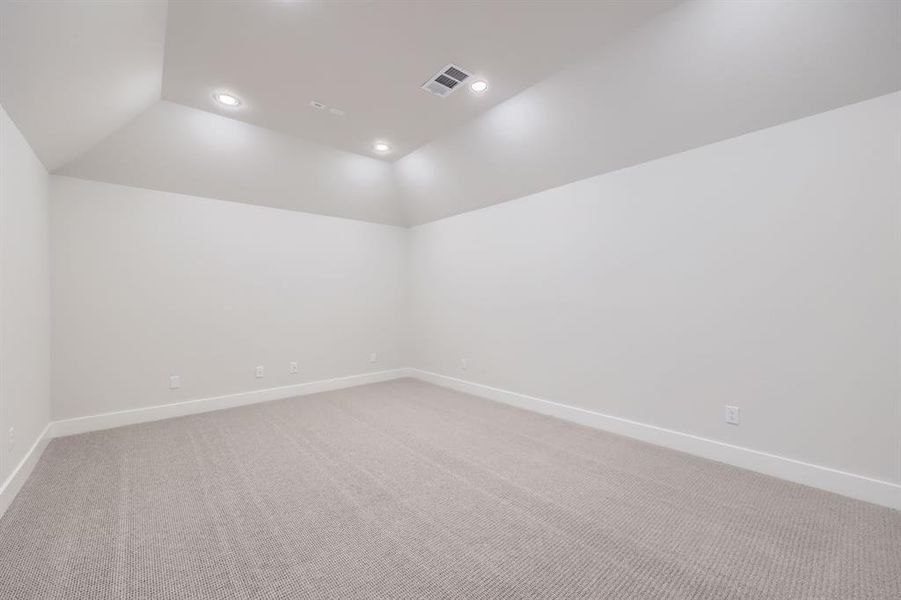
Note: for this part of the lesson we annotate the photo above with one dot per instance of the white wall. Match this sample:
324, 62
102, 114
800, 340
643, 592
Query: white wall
24, 297
147, 284
760, 271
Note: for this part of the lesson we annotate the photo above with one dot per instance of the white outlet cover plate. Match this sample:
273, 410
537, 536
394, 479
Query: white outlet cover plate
732, 415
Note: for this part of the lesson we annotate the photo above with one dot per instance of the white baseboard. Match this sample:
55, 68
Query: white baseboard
876, 491
65, 427
178, 409
20, 473
855, 486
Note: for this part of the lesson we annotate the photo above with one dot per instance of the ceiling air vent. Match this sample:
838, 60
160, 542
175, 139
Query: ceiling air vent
445, 81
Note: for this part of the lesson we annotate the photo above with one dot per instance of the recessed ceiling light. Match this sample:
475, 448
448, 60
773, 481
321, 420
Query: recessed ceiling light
317, 105
381, 147
479, 86
227, 100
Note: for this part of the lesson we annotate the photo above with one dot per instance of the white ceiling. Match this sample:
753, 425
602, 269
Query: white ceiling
703, 72
577, 89
177, 148
71, 73
370, 58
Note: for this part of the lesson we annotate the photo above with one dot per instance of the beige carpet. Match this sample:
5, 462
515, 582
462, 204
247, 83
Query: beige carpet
406, 490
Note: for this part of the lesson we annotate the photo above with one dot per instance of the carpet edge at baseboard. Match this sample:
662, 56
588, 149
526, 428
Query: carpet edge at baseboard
20, 473
157, 412
883, 493
879, 492
63, 427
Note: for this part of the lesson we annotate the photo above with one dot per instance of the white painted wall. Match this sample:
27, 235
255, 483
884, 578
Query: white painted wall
24, 297
760, 271
148, 284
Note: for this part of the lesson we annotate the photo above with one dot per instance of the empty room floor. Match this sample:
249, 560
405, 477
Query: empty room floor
407, 490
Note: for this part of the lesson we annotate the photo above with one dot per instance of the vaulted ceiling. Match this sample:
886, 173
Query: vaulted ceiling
368, 59
122, 92
71, 73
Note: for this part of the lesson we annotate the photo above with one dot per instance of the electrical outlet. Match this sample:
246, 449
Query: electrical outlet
464, 364
11, 438
260, 371
373, 357
174, 382
732, 415
294, 367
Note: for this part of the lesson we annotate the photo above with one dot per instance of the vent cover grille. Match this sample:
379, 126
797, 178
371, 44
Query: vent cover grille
456, 73
445, 81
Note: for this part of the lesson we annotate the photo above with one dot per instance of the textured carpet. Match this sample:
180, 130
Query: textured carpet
406, 490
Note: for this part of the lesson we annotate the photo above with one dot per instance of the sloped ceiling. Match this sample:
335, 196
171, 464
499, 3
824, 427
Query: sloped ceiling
72, 73
176, 148
368, 59
76, 78
700, 73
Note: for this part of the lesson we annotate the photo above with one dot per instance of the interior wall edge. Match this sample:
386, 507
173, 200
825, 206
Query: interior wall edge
413, 223
109, 420
25, 324
863, 488
839, 482
20, 473
205, 290
13, 484
57, 175
598, 293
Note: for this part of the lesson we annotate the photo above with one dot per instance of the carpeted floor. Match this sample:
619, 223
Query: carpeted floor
406, 490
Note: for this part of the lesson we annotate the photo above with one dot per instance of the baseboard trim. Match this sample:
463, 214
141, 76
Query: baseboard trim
189, 407
20, 473
876, 491
860, 487
14, 482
